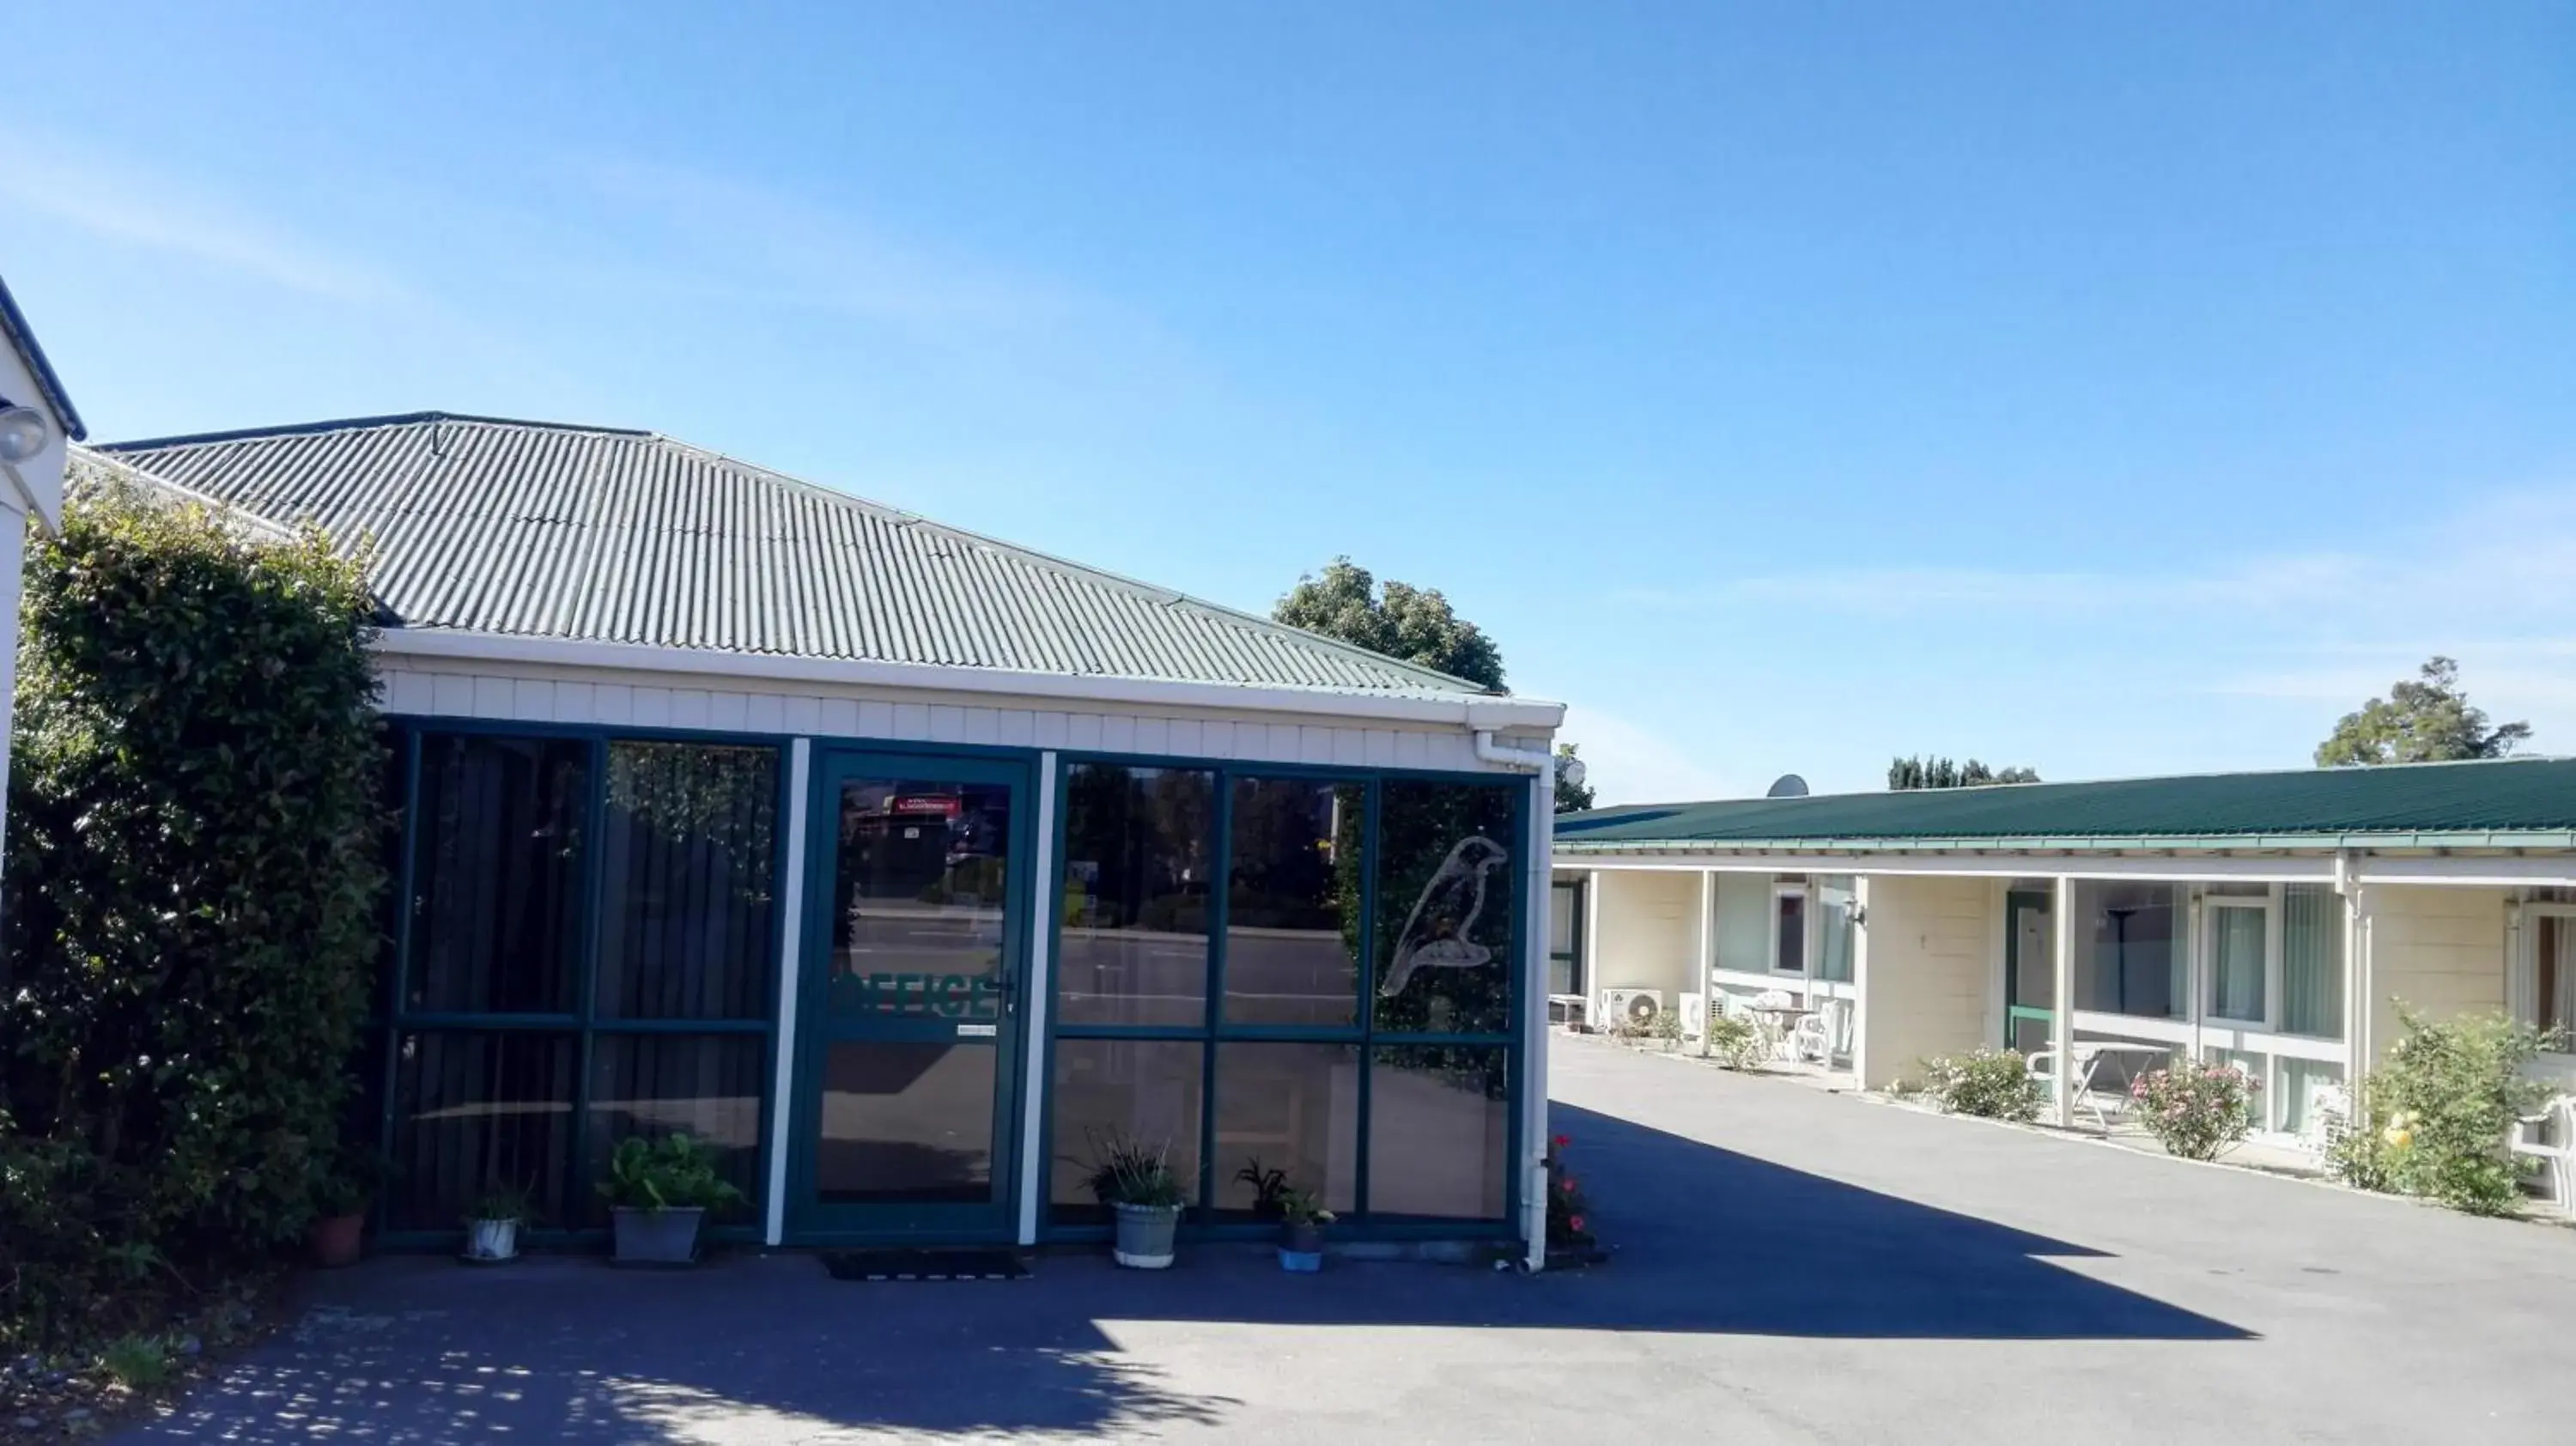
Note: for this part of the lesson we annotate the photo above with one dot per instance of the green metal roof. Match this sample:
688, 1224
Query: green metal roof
599, 534
2507, 802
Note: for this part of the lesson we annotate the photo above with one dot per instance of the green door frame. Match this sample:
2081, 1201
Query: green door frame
2017, 1013
808, 1220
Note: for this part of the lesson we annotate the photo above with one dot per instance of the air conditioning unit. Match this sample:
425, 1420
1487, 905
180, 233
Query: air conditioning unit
1694, 1015
1630, 1007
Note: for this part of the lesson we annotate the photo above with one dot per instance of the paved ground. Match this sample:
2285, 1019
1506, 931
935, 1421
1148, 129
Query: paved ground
1795, 1267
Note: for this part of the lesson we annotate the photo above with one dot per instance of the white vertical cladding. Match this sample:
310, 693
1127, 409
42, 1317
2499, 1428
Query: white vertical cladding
2061, 1028
782, 1086
1034, 994
1536, 871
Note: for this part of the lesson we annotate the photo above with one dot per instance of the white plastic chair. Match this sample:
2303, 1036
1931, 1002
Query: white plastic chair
1819, 1034
2550, 1138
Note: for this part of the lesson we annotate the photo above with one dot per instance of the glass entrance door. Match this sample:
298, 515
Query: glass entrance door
913, 957
2030, 970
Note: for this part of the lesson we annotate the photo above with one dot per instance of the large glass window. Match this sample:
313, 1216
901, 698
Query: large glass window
1293, 902
570, 901
1789, 929
1834, 930
2240, 960
1565, 937
2550, 997
1439, 1131
1107, 1090
2130, 955
496, 885
2312, 960
1139, 860
689, 858
1445, 893
1287, 1107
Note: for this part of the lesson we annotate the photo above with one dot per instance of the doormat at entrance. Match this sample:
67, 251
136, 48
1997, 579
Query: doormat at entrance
924, 1265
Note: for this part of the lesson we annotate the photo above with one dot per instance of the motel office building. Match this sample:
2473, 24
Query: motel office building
904, 867
2272, 920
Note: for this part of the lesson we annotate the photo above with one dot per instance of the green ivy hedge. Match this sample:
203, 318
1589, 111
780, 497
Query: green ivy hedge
193, 897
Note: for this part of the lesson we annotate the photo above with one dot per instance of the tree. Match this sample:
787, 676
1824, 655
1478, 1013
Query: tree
1928, 772
1403, 622
1571, 797
1410, 624
2427, 720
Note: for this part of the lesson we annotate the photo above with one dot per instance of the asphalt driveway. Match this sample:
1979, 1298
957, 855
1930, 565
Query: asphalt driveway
1794, 1267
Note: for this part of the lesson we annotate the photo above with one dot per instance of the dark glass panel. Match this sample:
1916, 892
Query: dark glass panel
919, 899
2129, 949
1293, 902
1147, 1090
905, 1124
688, 861
474, 1110
1446, 873
1139, 851
1292, 1107
705, 1086
496, 885
1439, 1131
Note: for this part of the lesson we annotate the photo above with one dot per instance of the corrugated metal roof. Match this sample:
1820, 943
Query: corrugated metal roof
599, 534
2501, 797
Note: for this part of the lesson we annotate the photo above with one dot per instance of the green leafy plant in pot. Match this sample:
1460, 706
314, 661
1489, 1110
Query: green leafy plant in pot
344, 1187
1144, 1197
660, 1193
492, 1226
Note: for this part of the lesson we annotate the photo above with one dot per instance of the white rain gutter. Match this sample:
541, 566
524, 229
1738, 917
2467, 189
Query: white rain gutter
1481, 713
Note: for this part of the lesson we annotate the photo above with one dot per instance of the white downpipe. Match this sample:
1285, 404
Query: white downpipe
1536, 876
1490, 750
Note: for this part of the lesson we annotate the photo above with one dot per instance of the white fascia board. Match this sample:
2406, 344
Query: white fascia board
2534, 869
1472, 711
2177, 868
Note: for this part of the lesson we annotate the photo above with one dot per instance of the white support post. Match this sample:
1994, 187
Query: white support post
1536, 871
1702, 976
1591, 945
782, 1088
1033, 996
2062, 1003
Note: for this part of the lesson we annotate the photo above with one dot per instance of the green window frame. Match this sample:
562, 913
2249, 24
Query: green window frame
1364, 1037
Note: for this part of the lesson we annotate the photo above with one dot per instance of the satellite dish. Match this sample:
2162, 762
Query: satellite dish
1789, 785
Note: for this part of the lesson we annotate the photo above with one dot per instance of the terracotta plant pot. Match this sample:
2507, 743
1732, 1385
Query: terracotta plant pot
336, 1239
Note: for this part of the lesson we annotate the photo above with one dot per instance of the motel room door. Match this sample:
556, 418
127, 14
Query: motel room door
2030, 969
916, 924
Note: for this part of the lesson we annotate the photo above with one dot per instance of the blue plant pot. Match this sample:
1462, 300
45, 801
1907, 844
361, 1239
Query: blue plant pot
1300, 1262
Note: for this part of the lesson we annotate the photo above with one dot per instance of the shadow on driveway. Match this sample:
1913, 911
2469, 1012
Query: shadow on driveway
770, 1348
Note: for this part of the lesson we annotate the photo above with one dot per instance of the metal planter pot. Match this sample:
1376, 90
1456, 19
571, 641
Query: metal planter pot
1145, 1235
657, 1237
491, 1241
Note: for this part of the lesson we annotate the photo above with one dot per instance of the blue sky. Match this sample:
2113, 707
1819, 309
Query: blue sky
2112, 389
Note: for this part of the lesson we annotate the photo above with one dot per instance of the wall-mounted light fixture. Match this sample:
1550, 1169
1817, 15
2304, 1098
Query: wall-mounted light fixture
24, 433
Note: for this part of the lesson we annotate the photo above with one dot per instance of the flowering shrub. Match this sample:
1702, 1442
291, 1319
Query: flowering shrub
2435, 1119
1568, 1224
1992, 1083
2197, 1111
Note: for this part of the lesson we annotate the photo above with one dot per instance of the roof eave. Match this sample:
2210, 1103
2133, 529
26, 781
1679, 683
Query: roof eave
2554, 839
23, 337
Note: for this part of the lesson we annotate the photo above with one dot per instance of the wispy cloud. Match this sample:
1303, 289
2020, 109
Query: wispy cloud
1629, 763
117, 199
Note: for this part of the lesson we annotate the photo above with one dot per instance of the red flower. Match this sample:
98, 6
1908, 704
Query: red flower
1574, 1222
1567, 1181
1562, 1141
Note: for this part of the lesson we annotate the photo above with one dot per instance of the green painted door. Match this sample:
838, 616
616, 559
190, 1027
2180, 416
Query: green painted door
2030, 971
915, 928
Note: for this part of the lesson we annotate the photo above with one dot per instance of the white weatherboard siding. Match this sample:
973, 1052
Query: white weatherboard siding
1648, 925
1922, 974
531, 693
2440, 950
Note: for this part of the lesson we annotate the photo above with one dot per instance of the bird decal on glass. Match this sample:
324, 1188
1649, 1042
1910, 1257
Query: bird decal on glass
1440, 932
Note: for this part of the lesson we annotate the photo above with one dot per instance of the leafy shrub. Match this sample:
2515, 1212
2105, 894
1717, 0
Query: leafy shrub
1994, 1084
1737, 1042
138, 1362
1569, 1223
671, 1173
2195, 1110
2434, 1120
194, 888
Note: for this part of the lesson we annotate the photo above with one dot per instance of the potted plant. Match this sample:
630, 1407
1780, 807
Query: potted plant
492, 1226
343, 1189
1302, 1219
1144, 1198
659, 1193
